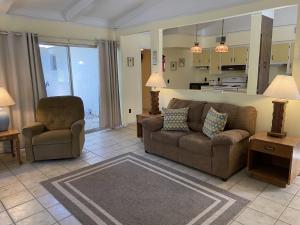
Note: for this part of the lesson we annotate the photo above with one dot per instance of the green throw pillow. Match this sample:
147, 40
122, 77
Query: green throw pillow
214, 123
175, 119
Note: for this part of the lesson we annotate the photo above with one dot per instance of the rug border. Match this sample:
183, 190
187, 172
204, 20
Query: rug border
77, 212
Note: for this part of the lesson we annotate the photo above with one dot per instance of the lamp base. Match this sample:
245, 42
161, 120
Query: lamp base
154, 103
277, 129
4, 120
278, 135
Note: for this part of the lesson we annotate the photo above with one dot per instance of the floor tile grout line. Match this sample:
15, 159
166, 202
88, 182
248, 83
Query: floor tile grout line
35, 198
286, 208
132, 145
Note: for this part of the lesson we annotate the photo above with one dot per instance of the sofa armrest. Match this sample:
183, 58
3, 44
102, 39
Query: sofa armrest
153, 124
230, 137
77, 127
33, 129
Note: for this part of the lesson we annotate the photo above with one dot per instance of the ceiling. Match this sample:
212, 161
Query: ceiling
111, 13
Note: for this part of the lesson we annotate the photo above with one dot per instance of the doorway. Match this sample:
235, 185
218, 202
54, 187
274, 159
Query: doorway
73, 70
146, 72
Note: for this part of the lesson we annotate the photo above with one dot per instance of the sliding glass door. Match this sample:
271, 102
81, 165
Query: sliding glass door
70, 70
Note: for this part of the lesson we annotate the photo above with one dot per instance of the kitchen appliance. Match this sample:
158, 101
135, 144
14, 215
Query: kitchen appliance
234, 68
233, 84
197, 86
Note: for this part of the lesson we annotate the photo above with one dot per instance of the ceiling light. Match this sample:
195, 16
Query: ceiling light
222, 48
196, 48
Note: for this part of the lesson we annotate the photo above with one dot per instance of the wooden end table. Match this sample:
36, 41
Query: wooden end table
274, 160
13, 136
140, 118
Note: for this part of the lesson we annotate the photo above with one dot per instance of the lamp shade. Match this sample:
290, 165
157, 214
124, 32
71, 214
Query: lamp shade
5, 98
156, 80
196, 48
222, 48
283, 87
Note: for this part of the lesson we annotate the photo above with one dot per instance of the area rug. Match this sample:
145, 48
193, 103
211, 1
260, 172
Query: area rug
132, 190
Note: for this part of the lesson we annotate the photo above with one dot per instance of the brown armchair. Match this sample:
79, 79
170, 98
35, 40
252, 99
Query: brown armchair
59, 130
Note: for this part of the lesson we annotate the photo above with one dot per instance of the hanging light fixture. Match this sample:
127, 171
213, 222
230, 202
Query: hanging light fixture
196, 48
222, 48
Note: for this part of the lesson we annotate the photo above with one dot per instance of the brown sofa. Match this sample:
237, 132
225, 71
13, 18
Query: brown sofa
59, 130
221, 156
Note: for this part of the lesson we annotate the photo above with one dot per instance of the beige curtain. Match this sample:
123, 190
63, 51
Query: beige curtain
110, 112
21, 74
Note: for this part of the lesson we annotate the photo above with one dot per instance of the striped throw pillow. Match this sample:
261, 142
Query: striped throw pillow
175, 119
214, 123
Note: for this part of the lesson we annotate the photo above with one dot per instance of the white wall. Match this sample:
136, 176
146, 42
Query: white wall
263, 104
130, 77
181, 77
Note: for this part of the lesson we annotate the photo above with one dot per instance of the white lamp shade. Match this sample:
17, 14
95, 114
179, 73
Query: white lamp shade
5, 98
283, 87
156, 80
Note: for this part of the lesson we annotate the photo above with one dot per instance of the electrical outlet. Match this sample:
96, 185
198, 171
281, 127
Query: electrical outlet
129, 110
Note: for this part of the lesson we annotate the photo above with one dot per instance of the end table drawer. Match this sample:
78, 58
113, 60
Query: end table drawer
271, 148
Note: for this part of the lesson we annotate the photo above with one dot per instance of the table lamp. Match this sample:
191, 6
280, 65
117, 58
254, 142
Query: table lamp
283, 88
5, 101
155, 81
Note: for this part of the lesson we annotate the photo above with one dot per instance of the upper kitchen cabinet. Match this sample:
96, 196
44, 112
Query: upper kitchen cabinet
280, 53
227, 57
196, 59
240, 56
292, 51
205, 57
215, 63
201, 59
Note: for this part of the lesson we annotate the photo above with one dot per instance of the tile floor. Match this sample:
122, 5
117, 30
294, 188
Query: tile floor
24, 201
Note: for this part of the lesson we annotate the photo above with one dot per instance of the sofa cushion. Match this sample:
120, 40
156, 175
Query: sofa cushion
175, 119
214, 123
168, 137
230, 137
52, 137
195, 111
197, 143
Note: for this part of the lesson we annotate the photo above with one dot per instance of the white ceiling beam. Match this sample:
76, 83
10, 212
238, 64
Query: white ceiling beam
77, 9
124, 19
5, 6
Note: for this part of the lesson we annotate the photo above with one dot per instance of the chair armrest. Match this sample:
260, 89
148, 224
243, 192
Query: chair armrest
33, 129
230, 137
153, 124
77, 127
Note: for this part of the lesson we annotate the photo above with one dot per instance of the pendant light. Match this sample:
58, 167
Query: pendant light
196, 48
222, 48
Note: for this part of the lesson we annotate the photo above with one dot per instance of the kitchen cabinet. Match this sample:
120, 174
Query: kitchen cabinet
240, 56
205, 57
215, 63
201, 59
291, 57
196, 59
280, 53
227, 57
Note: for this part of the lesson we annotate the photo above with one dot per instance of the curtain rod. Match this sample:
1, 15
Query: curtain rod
44, 36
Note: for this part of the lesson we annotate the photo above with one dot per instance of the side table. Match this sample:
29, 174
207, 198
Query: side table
274, 160
13, 136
